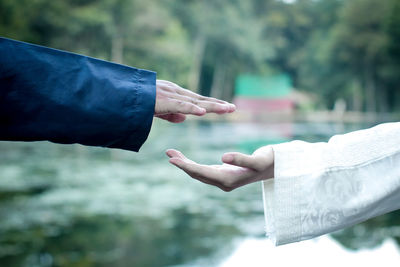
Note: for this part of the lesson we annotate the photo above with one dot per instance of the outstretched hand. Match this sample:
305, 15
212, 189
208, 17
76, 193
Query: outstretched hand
238, 169
173, 103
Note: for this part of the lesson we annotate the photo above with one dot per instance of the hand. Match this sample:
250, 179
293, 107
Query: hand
173, 102
239, 169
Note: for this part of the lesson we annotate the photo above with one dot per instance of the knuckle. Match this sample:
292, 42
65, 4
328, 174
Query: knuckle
168, 88
214, 106
171, 89
193, 108
180, 103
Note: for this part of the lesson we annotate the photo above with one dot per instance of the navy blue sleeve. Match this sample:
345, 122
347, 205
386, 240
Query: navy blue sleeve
48, 94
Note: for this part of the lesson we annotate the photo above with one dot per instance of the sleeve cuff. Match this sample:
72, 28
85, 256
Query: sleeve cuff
283, 214
282, 195
141, 112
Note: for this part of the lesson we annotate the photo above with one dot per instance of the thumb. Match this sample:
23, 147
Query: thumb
241, 160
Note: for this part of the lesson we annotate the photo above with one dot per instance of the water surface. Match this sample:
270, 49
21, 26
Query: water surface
70, 205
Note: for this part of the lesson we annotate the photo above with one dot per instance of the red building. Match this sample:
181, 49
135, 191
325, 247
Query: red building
263, 94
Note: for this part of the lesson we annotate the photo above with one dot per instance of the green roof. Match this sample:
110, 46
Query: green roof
274, 86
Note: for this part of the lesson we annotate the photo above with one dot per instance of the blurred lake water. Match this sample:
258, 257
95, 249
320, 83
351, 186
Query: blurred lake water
70, 205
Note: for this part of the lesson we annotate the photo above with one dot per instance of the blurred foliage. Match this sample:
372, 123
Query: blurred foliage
333, 48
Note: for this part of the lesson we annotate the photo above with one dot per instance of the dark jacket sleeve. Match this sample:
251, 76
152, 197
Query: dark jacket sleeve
48, 94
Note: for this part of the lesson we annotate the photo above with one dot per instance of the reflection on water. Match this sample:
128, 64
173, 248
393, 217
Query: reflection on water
322, 251
77, 206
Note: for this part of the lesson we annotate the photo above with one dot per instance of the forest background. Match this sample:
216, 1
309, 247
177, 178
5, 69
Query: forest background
330, 48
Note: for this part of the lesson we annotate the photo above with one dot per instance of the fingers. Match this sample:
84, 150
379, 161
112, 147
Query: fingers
172, 87
171, 99
173, 106
211, 106
175, 153
197, 171
239, 170
207, 174
242, 160
204, 173
217, 102
227, 177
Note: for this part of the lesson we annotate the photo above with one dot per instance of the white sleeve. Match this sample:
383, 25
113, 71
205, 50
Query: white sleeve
322, 187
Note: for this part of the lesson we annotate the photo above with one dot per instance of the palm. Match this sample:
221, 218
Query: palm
226, 176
